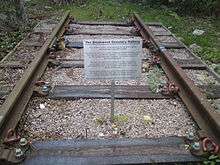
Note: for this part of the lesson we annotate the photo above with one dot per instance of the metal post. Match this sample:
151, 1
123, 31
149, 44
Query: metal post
112, 100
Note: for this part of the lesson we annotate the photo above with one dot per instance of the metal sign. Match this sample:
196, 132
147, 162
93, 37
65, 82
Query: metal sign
113, 59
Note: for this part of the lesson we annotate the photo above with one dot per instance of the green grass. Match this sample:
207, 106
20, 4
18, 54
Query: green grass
110, 10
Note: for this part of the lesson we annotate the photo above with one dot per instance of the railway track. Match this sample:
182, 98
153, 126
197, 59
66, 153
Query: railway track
169, 115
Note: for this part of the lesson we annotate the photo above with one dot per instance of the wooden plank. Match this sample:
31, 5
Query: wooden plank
154, 24
72, 64
80, 91
101, 23
78, 45
193, 66
185, 64
136, 92
33, 44
111, 151
99, 33
162, 33
190, 63
172, 45
104, 91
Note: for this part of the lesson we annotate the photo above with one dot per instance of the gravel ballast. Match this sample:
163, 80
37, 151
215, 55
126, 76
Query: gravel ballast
61, 119
69, 54
75, 76
47, 119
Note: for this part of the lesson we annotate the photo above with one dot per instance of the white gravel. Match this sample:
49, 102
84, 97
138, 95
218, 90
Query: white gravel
71, 76
200, 77
69, 54
62, 119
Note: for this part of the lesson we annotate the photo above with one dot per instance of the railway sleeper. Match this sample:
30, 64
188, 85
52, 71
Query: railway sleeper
104, 91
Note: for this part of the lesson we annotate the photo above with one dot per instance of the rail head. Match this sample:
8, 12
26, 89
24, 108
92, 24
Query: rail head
194, 99
16, 97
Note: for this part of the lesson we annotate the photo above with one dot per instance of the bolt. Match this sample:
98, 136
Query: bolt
23, 142
46, 88
190, 136
87, 132
19, 153
196, 146
162, 48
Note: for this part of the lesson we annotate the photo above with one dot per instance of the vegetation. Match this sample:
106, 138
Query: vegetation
13, 25
100, 120
121, 118
189, 7
212, 160
121, 10
155, 79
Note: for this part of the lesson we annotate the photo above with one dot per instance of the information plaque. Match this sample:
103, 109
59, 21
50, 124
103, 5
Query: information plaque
114, 59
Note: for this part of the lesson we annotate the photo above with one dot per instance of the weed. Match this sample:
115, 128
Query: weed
155, 79
212, 160
121, 118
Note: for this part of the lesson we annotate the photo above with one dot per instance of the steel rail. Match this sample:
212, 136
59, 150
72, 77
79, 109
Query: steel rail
199, 107
14, 106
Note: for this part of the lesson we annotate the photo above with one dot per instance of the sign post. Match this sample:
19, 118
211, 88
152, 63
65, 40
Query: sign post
113, 59
112, 100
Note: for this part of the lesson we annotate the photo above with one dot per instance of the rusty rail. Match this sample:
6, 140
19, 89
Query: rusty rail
14, 106
15, 103
196, 102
